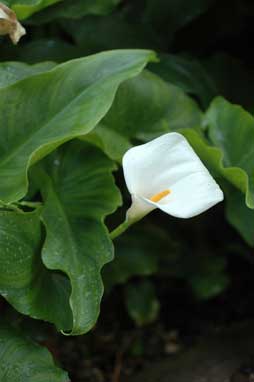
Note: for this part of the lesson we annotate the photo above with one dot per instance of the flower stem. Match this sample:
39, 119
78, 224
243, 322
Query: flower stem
120, 229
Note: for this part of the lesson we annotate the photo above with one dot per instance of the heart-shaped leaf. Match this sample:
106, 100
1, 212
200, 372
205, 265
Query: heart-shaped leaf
43, 111
78, 194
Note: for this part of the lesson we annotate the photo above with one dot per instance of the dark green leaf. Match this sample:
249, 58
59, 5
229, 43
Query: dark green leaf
21, 360
231, 129
24, 280
233, 79
208, 285
188, 74
148, 107
42, 49
78, 196
95, 34
170, 15
76, 9
25, 8
136, 254
142, 303
239, 215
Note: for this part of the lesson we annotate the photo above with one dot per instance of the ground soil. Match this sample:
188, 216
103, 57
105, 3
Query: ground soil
199, 341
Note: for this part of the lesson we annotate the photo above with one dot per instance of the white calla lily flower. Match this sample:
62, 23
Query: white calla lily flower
166, 173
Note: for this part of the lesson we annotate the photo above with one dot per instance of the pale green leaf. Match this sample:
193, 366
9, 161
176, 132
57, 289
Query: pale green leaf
41, 112
11, 72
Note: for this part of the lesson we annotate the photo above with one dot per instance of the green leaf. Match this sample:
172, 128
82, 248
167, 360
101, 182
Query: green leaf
42, 49
231, 129
78, 195
188, 74
76, 9
11, 72
111, 142
24, 281
218, 75
142, 303
25, 8
239, 215
41, 112
21, 360
169, 16
111, 32
206, 274
136, 254
148, 107
212, 157
207, 286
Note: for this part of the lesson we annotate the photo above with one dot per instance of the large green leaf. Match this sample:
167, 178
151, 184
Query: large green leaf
237, 212
11, 72
41, 112
148, 107
78, 194
25, 8
24, 280
130, 117
231, 129
21, 360
76, 9
212, 157
188, 74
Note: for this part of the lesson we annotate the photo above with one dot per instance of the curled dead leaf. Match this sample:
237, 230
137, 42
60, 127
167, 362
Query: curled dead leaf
10, 25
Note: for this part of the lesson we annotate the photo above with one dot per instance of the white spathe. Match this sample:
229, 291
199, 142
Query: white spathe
169, 164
